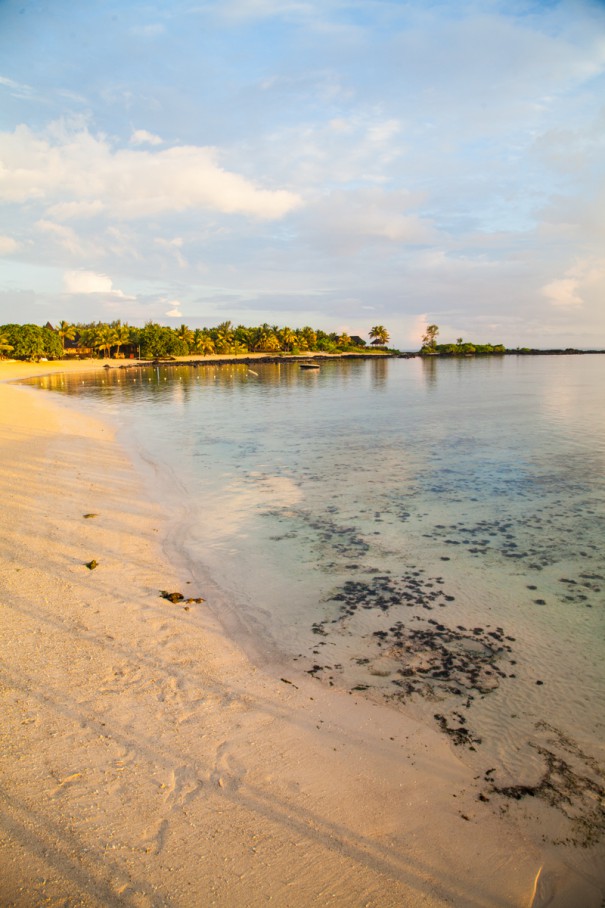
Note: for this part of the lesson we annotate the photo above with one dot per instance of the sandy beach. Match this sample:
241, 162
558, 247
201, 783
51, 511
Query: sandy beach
146, 762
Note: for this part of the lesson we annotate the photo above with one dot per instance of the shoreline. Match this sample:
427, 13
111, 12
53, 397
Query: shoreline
147, 762
30, 369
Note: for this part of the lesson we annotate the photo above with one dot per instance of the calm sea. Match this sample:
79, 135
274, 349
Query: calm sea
426, 533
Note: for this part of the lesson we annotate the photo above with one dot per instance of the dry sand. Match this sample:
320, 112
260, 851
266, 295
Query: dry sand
146, 762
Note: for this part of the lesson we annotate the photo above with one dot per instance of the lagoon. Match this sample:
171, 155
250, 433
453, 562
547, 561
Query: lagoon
423, 533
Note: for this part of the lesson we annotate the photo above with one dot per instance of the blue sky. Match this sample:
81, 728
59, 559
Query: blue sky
342, 163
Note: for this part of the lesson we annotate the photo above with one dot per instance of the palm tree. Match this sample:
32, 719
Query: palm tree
202, 342
307, 337
242, 337
270, 343
185, 334
344, 340
429, 339
122, 333
105, 339
223, 337
380, 336
66, 332
287, 338
258, 337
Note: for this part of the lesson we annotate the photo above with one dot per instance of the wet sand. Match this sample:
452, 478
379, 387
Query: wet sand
146, 762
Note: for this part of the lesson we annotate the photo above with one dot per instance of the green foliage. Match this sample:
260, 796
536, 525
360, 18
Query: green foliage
5, 347
159, 340
326, 343
31, 342
462, 348
115, 339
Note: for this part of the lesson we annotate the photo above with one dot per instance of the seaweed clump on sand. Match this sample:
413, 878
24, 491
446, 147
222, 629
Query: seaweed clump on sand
179, 597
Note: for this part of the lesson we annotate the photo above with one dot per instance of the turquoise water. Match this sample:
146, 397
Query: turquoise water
428, 534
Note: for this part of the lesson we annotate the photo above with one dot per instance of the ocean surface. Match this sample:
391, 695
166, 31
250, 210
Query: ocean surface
429, 534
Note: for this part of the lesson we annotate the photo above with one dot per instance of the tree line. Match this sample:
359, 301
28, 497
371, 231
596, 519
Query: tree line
115, 339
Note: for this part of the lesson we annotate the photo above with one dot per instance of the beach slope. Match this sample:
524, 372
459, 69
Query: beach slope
144, 760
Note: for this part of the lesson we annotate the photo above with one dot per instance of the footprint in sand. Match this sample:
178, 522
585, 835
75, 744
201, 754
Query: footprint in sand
154, 839
228, 771
183, 785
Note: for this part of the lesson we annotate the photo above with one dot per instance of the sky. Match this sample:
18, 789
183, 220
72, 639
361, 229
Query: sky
334, 163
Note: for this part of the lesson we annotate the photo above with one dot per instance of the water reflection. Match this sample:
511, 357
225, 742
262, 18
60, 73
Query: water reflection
429, 371
435, 369
160, 380
379, 367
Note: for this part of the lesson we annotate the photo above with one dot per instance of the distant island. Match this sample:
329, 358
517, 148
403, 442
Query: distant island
431, 348
117, 340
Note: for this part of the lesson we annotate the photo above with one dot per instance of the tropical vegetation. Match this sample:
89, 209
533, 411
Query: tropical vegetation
30, 342
117, 340
430, 347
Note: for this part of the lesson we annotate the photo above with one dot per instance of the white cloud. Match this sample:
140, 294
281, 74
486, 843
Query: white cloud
175, 311
142, 137
8, 245
80, 167
86, 282
563, 292
578, 284
91, 282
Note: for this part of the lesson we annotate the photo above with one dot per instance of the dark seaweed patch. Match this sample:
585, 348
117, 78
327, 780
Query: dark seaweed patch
335, 540
571, 782
527, 540
421, 656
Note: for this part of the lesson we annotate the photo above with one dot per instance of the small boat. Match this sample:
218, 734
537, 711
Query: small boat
309, 365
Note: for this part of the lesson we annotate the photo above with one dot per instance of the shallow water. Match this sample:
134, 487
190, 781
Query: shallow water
429, 533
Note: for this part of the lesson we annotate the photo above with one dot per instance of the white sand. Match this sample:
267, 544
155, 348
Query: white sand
145, 762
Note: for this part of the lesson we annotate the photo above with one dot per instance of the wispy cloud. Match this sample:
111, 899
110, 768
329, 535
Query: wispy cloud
17, 89
129, 183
